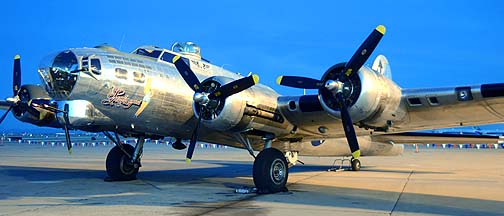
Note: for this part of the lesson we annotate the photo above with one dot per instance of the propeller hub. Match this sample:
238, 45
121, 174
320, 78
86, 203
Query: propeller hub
333, 85
14, 100
201, 98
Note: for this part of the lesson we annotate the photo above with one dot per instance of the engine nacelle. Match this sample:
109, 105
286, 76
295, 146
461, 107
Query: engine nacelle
28, 111
373, 100
227, 112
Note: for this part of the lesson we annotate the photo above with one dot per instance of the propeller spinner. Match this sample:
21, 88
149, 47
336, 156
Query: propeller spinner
336, 86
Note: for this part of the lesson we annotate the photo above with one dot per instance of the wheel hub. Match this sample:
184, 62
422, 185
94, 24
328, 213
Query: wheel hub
277, 171
125, 166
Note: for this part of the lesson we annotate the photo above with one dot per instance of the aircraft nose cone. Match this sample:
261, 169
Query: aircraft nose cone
59, 72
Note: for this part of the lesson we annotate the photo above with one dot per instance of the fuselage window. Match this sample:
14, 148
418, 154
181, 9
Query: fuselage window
121, 73
139, 77
96, 66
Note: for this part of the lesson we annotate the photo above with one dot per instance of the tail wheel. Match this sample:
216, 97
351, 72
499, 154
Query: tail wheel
355, 164
118, 165
270, 171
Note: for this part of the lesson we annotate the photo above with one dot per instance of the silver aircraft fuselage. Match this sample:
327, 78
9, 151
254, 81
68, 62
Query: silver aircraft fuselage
143, 93
111, 99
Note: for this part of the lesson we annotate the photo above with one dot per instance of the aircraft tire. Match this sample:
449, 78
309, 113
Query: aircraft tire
117, 166
270, 171
355, 164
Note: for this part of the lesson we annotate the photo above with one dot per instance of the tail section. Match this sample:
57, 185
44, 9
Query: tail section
382, 66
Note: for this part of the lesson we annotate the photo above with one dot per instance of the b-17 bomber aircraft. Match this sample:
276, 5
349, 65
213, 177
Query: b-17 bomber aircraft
152, 93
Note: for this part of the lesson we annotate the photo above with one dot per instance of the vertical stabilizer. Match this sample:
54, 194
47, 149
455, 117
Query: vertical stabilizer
381, 65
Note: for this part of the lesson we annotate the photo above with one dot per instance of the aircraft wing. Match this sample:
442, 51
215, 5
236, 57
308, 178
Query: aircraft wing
435, 138
451, 107
416, 109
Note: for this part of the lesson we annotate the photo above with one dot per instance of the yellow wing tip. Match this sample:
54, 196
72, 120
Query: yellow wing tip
255, 77
381, 29
279, 80
17, 57
175, 58
356, 154
188, 161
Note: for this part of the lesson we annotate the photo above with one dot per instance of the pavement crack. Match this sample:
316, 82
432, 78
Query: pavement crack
152, 185
402, 191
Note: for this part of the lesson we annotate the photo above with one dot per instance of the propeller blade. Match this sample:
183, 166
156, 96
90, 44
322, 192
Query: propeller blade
362, 54
5, 114
194, 139
348, 126
235, 86
16, 83
186, 73
299, 82
65, 126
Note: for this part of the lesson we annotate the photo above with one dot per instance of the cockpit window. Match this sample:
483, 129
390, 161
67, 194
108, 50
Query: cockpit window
149, 53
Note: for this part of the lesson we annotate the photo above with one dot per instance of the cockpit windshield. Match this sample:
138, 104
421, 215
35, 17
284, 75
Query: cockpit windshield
148, 52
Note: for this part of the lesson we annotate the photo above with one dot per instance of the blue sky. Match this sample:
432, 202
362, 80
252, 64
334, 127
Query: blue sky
428, 43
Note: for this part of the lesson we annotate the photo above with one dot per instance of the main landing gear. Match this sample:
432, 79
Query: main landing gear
271, 169
123, 161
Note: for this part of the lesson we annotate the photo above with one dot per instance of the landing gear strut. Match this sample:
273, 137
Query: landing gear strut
123, 161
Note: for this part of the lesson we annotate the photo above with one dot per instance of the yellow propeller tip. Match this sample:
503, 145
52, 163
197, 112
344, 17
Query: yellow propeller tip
175, 58
188, 161
279, 80
17, 57
381, 29
356, 154
70, 151
256, 78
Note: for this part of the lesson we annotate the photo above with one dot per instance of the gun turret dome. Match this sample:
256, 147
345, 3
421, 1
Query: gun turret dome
187, 48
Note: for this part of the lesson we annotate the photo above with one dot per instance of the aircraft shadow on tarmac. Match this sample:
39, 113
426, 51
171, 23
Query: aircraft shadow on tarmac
331, 196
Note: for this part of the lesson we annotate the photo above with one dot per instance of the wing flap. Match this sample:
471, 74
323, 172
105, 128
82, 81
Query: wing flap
435, 138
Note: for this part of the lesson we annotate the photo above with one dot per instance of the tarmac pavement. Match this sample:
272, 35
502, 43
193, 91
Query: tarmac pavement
44, 180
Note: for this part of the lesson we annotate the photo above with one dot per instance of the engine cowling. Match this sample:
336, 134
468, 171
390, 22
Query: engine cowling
373, 100
32, 97
224, 114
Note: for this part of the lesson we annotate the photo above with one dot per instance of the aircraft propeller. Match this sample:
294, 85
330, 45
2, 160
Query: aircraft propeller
18, 101
207, 100
336, 86
16, 82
